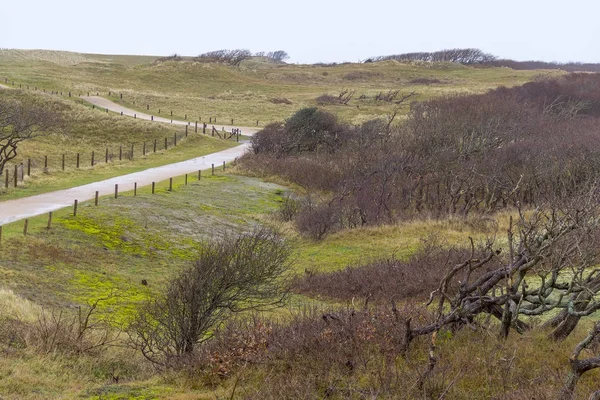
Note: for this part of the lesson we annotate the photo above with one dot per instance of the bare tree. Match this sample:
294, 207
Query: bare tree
23, 118
231, 57
557, 244
233, 274
278, 55
579, 367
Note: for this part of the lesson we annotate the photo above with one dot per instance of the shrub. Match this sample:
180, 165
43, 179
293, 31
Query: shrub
387, 279
289, 208
230, 275
316, 221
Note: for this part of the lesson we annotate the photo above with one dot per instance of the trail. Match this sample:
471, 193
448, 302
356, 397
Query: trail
103, 103
14, 210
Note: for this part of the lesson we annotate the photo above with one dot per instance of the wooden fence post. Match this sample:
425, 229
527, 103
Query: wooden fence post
120, 153
75, 208
25, 225
144, 150
170, 184
45, 162
6, 174
29, 167
153, 184
196, 127
92, 159
63, 162
186, 131
77, 160
135, 188
49, 226
96, 198
16, 175
223, 165
186, 179
166, 144
199, 174
155, 145
106, 157
213, 169
204, 128
132, 150
175, 139
116, 190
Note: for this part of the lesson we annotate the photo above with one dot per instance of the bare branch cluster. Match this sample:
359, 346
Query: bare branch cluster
233, 274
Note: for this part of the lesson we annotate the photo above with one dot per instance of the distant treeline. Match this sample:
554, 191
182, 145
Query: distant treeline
478, 57
231, 57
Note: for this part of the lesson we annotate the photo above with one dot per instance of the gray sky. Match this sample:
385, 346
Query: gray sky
309, 30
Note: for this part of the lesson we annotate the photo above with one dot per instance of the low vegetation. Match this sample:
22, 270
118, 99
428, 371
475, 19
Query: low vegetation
440, 245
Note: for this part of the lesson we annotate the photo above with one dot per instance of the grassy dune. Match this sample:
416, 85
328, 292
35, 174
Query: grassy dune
88, 131
246, 93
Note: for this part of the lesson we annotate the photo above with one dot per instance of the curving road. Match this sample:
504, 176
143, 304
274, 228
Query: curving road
103, 103
14, 210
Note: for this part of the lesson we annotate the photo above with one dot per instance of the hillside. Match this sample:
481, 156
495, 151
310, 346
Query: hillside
256, 90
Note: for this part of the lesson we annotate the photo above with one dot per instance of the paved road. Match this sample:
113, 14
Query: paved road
14, 210
103, 103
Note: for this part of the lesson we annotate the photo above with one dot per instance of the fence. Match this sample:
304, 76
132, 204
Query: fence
15, 174
187, 178
120, 98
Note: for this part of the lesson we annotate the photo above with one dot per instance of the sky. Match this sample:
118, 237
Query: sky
309, 30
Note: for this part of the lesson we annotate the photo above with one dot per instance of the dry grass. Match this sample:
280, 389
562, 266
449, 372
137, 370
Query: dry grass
244, 93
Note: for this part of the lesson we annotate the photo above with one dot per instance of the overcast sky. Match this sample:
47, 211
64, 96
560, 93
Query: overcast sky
309, 30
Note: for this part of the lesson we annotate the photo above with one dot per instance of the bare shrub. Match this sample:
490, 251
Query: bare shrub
316, 221
231, 57
23, 117
172, 57
88, 331
230, 275
462, 56
382, 280
361, 75
327, 99
280, 100
343, 98
425, 81
289, 208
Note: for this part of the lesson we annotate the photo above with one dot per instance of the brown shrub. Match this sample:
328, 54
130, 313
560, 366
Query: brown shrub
425, 81
280, 100
384, 280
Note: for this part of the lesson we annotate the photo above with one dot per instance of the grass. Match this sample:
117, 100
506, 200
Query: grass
112, 247
245, 93
117, 244
92, 130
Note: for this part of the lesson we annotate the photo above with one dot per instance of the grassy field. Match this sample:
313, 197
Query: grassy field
111, 248
251, 91
127, 248
88, 131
